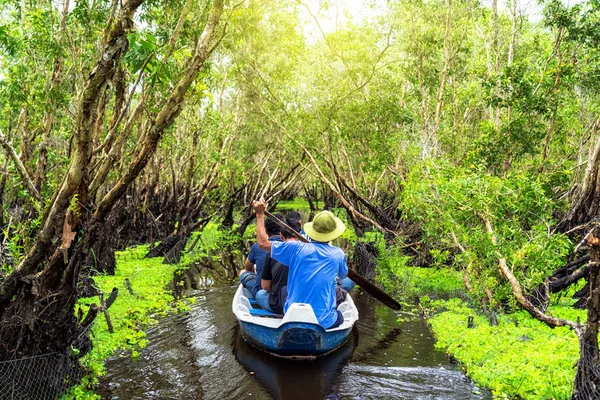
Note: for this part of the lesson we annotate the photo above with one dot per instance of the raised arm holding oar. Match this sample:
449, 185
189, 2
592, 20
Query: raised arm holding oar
250, 275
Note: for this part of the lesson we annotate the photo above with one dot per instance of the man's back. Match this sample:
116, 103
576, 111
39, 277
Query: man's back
313, 268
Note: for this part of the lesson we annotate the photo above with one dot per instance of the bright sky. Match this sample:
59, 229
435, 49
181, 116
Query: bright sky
340, 11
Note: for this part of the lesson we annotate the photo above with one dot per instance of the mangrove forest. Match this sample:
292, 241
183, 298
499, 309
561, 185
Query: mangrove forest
456, 141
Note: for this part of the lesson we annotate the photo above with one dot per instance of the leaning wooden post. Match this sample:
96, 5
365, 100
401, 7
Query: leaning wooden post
104, 309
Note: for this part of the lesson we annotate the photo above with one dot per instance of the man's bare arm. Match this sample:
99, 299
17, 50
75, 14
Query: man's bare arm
261, 233
266, 285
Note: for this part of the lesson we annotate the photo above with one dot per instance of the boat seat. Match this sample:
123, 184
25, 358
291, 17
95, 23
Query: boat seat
254, 304
259, 312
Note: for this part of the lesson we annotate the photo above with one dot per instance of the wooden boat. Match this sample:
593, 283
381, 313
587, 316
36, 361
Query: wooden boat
296, 334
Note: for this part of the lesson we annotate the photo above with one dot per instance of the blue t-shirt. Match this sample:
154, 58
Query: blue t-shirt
257, 256
314, 268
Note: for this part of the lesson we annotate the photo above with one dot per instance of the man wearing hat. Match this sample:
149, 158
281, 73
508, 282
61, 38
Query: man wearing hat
313, 267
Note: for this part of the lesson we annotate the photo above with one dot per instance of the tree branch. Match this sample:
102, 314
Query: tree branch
20, 168
552, 322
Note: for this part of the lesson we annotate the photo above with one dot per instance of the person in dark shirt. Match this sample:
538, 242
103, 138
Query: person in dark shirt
250, 275
274, 277
294, 215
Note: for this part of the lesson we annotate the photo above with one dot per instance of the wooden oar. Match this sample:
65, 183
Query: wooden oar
359, 280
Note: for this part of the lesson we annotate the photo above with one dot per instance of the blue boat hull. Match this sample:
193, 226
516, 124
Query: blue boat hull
294, 339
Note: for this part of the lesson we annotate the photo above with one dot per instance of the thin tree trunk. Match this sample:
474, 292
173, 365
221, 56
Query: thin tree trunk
555, 101
179, 27
513, 32
582, 210
26, 154
444, 76
48, 121
424, 109
27, 182
518, 291
114, 150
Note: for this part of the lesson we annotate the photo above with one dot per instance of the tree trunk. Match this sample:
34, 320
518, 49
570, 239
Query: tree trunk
37, 308
587, 378
52, 224
586, 198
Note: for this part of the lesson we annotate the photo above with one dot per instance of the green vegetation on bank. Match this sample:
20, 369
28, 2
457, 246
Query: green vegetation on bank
297, 205
460, 210
151, 282
130, 314
410, 283
519, 358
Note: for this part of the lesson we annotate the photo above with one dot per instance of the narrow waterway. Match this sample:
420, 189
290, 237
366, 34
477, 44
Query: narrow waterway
201, 355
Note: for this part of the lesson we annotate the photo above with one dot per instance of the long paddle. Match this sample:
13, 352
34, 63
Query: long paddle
359, 280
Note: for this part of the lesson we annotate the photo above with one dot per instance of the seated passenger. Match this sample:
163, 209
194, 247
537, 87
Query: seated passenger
313, 267
274, 277
249, 276
296, 216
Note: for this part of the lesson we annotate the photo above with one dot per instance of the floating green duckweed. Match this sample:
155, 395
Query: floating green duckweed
519, 358
130, 314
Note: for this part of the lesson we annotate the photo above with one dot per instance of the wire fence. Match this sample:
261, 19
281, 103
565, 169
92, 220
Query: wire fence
43, 377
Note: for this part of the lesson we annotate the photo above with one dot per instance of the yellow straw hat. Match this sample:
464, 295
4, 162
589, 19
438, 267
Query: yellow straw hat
325, 227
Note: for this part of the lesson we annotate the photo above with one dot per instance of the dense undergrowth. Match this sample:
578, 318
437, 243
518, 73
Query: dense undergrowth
519, 358
153, 297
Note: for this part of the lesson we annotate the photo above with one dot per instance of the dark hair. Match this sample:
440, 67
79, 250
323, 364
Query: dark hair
271, 227
294, 224
293, 215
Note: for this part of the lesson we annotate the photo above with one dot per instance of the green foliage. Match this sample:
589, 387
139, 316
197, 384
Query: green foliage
296, 205
452, 204
519, 358
396, 273
214, 241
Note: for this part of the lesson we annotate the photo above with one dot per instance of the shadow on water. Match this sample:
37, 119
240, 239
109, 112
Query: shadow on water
201, 355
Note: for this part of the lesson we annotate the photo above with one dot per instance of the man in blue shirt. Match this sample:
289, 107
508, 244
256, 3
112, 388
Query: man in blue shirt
249, 277
313, 267
347, 284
